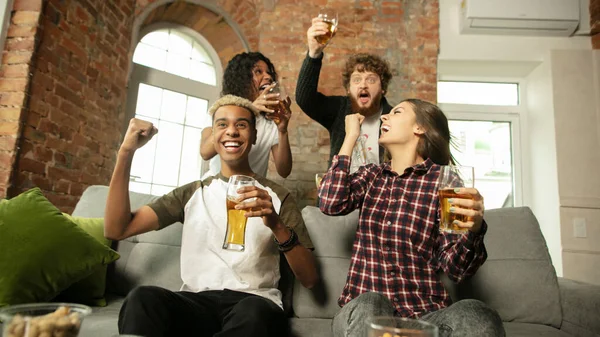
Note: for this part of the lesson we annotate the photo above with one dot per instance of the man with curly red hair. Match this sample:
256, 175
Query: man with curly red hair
365, 78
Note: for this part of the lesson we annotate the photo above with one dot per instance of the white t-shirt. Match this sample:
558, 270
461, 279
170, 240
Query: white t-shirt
370, 130
266, 137
205, 265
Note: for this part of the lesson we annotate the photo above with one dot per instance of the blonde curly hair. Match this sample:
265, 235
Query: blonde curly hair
233, 100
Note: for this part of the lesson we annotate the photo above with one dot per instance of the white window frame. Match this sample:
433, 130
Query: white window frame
511, 114
5, 12
162, 79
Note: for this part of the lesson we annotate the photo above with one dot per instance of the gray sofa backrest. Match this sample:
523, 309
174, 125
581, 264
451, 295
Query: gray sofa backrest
517, 279
147, 259
332, 237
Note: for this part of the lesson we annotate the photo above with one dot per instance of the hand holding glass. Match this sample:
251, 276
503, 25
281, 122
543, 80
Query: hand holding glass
236, 218
452, 177
279, 107
330, 17
400, 327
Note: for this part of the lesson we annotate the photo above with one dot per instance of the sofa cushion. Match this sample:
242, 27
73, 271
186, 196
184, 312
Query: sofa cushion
518, 279
91, 289
527, 329
41, 251
333, 237
311, 327
148, 259
103, 321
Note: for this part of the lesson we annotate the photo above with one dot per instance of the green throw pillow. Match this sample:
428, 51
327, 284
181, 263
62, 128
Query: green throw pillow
41, 251
91, 289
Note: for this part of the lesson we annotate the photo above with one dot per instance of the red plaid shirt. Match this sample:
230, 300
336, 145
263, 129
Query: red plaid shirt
398, 248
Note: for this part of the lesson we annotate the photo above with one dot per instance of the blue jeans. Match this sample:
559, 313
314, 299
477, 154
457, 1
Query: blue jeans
464, 318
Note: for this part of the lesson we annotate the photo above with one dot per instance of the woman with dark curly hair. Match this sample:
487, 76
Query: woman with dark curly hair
252, 76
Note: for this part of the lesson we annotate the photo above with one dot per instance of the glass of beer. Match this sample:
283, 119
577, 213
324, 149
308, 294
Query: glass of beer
330, 17
236, 218
319, 178
452, 177
279, 107
383, 326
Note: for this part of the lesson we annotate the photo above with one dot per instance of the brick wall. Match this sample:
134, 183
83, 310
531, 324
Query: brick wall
66, 97
14, 82
404, 31
73, 112
595, 22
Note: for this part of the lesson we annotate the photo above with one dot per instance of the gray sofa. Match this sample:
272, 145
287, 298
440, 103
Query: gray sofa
518, 279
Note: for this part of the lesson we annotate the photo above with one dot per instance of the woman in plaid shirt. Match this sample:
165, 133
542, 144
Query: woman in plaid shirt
398, 249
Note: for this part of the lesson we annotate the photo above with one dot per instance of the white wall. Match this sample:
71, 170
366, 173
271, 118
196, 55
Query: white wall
541, 164
575, 93
454, 46
527, 60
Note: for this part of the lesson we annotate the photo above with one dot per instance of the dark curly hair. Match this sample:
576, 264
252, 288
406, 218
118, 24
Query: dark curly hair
237, 79
367, 62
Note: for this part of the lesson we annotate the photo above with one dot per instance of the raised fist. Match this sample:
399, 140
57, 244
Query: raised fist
139, 132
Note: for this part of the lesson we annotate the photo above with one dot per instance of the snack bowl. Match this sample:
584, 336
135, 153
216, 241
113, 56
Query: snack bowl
43, 319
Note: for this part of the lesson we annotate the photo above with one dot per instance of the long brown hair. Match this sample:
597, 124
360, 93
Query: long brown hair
435, 142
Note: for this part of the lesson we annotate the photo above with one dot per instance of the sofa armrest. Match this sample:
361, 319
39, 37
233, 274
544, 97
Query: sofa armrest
580, 307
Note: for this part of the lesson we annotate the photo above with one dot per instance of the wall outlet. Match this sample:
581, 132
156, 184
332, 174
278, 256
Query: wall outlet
579, 228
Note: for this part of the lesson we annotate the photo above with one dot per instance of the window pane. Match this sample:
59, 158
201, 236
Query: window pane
173, 107
143, 160
199, 54
168, 153
180, 43
178, 65
161, 190
478, 93
487, 147
197, 112
159, 39
150, 56
176, 53
190, 156
203, 72
148, 101
139, 187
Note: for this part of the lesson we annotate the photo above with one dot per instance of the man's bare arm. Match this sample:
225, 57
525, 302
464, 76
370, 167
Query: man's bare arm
119, 222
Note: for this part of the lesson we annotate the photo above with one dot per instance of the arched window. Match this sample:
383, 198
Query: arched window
176, 77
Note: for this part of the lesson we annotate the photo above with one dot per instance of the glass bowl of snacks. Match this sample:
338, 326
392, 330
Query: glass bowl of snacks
43, 319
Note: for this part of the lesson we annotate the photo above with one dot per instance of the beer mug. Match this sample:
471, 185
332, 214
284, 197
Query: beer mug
278, 108
452, 177
384, 326
319, 178
235, 236
330, 17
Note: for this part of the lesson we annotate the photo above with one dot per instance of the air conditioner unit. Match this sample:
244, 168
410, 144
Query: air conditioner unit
520, 17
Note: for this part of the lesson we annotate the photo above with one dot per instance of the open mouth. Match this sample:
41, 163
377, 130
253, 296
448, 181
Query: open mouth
364, 97
385, 128
231, 146
264, 86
